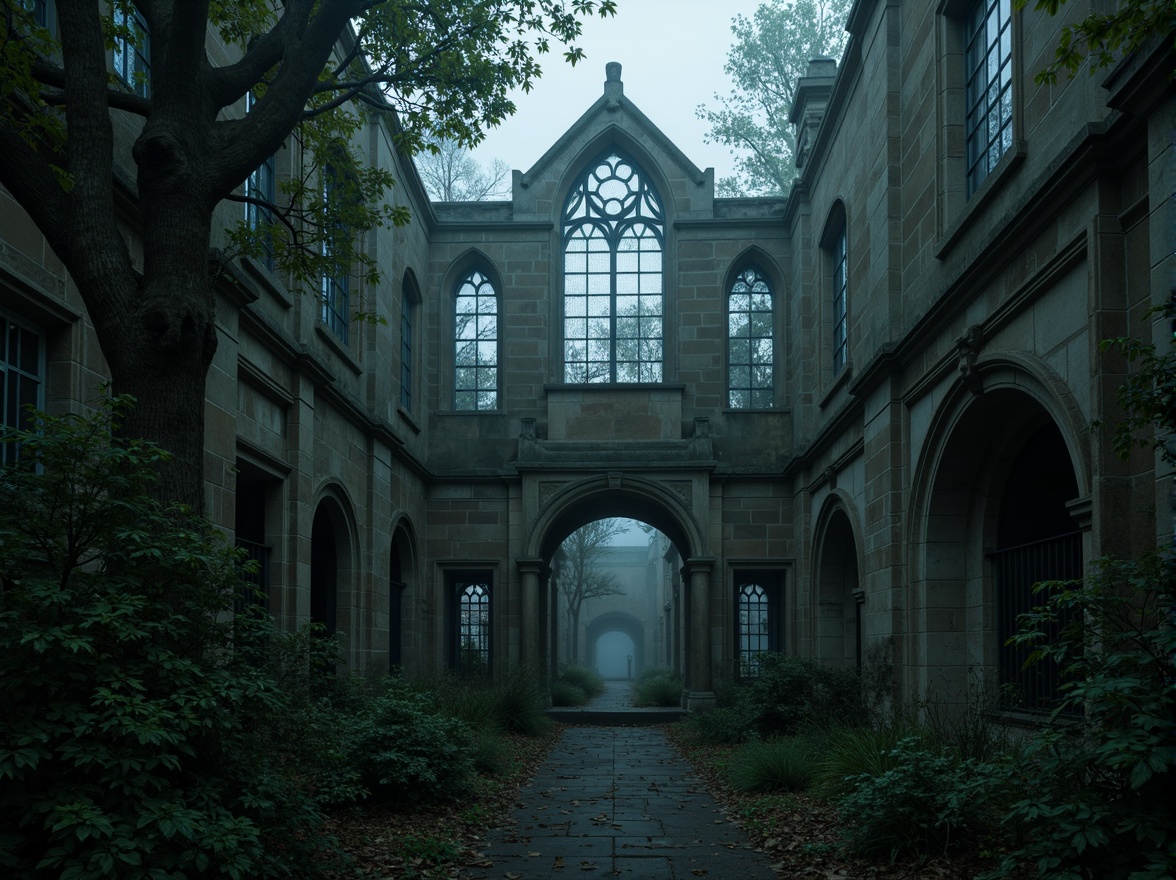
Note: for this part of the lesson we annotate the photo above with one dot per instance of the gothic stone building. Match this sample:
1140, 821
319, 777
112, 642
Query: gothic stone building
860, 415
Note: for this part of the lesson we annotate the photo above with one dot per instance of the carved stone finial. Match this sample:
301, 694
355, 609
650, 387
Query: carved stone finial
613, 87
968, 349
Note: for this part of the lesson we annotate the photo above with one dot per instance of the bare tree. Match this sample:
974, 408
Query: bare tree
451, 174
580, 576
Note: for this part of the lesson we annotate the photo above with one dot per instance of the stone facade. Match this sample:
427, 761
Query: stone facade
882, 497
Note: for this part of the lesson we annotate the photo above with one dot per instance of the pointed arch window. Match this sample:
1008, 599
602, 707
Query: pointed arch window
613, 241
749, 341
840, 302
473, 629
755, 627
475, 381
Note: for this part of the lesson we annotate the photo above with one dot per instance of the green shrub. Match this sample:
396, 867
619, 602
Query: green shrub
849, 753
405, 749
923, 805
1098, 781
489, 752
773, 766
131, 732
519, 704
587, 680
659, 687
564, 693
721, 726
792, 693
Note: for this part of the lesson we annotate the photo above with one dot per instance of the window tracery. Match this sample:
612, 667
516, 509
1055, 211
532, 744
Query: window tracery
750, 341
613, 239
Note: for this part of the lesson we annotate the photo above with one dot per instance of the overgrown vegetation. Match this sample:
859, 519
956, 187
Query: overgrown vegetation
147, 732
1085, 795
658, 686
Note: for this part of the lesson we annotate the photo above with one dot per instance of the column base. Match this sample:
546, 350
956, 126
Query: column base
700, 701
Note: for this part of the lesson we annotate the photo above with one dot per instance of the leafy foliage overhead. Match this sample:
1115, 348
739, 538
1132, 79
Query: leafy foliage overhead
1102, 37
771, 52
111, 169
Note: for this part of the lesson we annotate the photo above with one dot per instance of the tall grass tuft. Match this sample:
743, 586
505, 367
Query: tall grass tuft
658, 687
849, 752
587, 680
775, 765
564, 693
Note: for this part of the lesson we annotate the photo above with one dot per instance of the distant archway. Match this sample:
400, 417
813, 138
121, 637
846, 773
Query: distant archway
331, 558
613, 624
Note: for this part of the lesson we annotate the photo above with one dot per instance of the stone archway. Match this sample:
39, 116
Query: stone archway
838, 622
617, 622
1000, 472
653, 502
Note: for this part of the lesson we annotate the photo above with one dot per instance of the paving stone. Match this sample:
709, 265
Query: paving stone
619, 802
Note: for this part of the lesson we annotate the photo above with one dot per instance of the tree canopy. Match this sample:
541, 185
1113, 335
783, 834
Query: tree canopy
183, 75
1102, 37
580, 575
451, 174
771, 52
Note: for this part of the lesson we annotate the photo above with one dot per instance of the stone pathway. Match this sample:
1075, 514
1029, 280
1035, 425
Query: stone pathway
618, 802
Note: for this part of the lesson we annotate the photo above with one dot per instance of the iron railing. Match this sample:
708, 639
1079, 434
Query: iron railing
1017, 569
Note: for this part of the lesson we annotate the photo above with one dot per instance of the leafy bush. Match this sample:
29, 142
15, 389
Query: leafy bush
512, 704
924, 804
519, 704
721, 726
405, 749
129, 727
587, 680
489, 752
850, 753
564, 693
776, 765
793, 693
658, 687
1098, 791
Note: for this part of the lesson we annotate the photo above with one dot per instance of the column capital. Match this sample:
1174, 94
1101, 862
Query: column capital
699, 563
530, 565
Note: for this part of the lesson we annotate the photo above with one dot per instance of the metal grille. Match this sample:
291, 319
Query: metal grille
132, 51
749, 341
840, 297
406, 309
473, 630
1017, 569
260, 185
754, 628
21, 375
336, 281
988, 60
255, 589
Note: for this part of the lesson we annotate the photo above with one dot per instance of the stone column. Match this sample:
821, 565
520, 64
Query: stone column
700, 692
529, 571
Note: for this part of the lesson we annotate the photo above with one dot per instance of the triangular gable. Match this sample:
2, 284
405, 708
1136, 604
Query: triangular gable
602, 116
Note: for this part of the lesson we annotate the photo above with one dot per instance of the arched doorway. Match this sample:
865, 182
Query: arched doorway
616, 645
602, 496
997, 520
324, 572
331, 570
400, 574
839, 595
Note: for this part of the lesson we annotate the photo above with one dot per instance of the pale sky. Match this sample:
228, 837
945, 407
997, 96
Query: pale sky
672, 54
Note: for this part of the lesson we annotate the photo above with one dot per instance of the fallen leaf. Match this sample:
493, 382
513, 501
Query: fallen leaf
534, 855
699, 872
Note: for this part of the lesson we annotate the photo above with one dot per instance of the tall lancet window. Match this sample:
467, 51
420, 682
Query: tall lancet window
614, 236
